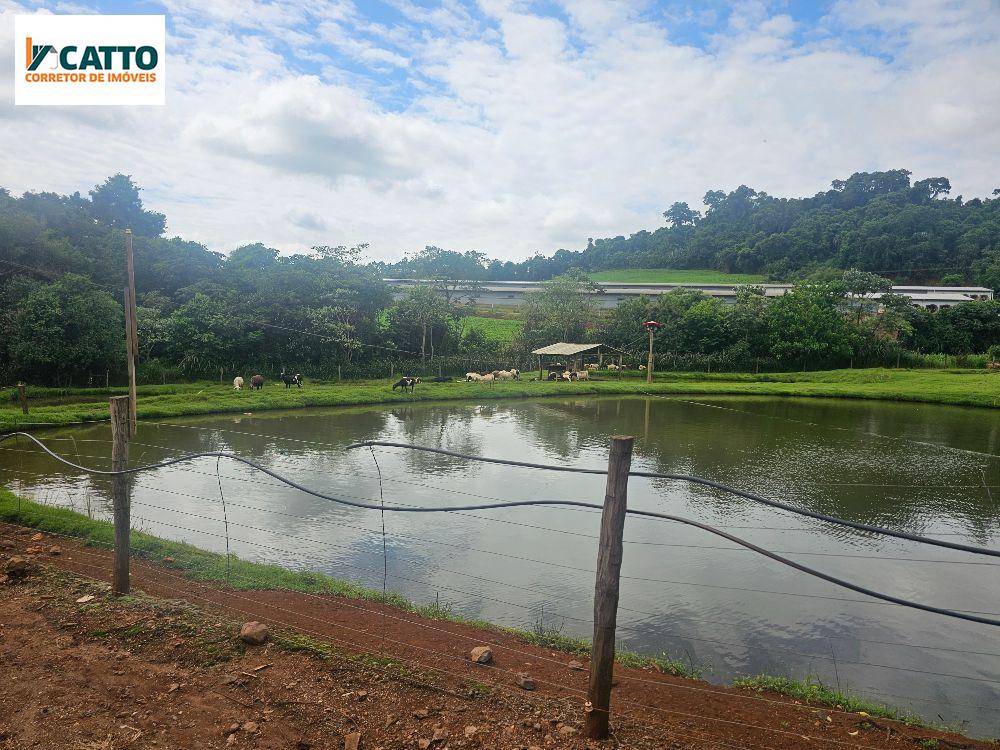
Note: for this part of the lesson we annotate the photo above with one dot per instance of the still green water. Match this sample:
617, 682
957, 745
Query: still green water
922, 468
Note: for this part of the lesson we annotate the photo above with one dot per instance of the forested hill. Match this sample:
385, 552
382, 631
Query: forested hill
874, 221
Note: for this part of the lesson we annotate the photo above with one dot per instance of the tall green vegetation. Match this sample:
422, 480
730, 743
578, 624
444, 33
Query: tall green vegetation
325, 313
878, 222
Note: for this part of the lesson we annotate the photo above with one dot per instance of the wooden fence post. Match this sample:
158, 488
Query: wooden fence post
23, 398
121, 431
609, 565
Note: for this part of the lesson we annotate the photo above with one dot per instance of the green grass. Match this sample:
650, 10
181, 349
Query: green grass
812, 691
676, 276
956, 387
500, 330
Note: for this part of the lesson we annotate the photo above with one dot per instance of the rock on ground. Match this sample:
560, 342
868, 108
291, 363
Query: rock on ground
253, 633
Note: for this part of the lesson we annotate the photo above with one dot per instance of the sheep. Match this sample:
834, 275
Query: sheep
582, 375
591, 366
471, 376
487, 378
642, 367
257, 382
237, 383
612, 366
505, 374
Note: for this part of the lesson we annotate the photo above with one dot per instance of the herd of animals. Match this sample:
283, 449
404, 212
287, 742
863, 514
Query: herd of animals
408, 383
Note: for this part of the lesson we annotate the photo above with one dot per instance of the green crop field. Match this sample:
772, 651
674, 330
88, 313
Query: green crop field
676, 276
502, 330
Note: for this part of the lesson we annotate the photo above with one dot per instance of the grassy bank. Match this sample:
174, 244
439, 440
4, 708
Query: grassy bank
242, 575
211, 568
64, 406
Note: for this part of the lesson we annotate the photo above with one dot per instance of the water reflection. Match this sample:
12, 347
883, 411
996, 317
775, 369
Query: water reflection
920, 468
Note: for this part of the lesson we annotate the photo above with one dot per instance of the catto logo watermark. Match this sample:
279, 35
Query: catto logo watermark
89, 60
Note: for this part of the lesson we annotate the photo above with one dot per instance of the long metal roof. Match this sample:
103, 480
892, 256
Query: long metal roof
567, 350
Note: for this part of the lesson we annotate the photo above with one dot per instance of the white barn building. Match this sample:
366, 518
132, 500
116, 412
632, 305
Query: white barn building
511, 293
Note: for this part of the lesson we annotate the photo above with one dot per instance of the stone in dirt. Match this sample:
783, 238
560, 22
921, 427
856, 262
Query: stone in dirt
524, 681
37, 538
20, 567
471, 730
482, 655
575, 666
55, 550
253, 633
440, 735
567, 731
352, 741
423, 744
249, 727
421, 713
86, 598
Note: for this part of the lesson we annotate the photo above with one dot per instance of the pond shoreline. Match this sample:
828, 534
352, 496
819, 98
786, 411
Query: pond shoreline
55, 407
177, 560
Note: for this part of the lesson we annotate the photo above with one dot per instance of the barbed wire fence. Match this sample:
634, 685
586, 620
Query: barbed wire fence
477, 510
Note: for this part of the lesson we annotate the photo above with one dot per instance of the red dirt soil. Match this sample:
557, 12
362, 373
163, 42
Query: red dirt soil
165, 676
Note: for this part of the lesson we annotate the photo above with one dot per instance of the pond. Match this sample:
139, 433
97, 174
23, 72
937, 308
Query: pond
726, 610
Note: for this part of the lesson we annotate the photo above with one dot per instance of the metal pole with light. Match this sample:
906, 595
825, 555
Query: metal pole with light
651, 326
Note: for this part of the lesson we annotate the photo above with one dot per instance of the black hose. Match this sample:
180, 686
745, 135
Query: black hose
521, 503
707, 483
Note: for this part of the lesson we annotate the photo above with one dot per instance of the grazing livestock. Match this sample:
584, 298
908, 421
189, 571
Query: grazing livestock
405, 383
591, 366
642, 367
505, 374
289, 380
470, 376
256, 382
237, 383
554, 376
581, 375
612, 366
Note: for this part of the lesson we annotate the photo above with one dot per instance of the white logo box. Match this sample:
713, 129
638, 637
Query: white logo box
91, 85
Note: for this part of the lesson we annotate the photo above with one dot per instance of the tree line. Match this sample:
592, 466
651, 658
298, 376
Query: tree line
326, 313
877, 222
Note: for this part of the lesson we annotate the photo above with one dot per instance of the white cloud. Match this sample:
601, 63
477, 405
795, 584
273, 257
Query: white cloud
510, 132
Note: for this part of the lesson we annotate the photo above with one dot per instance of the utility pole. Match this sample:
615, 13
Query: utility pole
131, 330
651, 326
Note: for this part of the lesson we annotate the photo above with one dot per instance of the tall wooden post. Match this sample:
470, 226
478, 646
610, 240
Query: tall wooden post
120, 434
23, 397
649, 360
609, 565
131, 330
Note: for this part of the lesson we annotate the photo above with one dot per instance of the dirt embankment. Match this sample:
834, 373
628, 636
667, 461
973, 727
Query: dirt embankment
167, 669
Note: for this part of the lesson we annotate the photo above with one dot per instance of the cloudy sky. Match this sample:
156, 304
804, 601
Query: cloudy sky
513, 127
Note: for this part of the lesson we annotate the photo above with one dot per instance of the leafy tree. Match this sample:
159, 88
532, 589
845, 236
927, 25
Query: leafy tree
680, 214
116, 203
65, 330
563, 310
805, 327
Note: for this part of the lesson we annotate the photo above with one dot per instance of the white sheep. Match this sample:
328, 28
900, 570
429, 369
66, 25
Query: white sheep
237, 383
